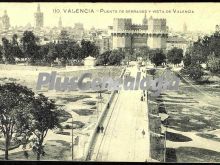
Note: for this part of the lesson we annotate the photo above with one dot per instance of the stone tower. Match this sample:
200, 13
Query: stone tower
121, 33
39, 18
151, 33
5, 21
144, 22
157, 33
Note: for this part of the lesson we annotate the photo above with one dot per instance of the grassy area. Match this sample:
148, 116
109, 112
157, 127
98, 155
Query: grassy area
89, 102
74, 125
84, 112
72, 98
193, 108
209, 136
12, 146
63, 115
177, 137
54, 149
191, 154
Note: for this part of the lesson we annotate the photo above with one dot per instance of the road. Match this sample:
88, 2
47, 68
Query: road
122, 139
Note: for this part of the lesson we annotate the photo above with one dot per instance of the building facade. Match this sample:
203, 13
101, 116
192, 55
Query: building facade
217, 28
177, 42
152, 33
78, 31
39, 18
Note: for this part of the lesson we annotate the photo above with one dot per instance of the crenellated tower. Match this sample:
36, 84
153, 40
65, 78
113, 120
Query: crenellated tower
157, 33
5, 21
39, 18
152, 32
121, 39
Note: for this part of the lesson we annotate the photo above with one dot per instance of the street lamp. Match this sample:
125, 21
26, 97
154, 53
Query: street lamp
165, 136
72, 138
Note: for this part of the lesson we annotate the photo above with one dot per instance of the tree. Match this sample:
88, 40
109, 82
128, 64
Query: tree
205, 50
88, 48
7, 51
193, 71
187, 60
43, 52
213, 64
198, 52
52, 54
175, 56
30, 47
64, 36
157, 56
103, 59
59, 47
142, 52
116, 57
75, 52
214, 44
16, 50
15, 105
45, 117
1, 50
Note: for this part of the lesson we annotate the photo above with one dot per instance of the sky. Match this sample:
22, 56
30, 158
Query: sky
203, 16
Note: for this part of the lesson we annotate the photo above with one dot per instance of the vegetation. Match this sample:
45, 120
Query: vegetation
22, 114
193, 71
112, 57
45, 117
205, 50
15, 118
213, 64
66, 51
142, 52
175, 56
157, 56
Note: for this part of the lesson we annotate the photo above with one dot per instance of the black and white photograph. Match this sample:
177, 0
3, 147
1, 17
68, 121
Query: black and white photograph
110, 82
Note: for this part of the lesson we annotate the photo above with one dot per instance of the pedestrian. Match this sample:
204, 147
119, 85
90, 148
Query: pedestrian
98, 129
143, 132
102, 129
141, 98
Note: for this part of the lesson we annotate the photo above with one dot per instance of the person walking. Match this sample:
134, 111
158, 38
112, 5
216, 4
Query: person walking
98, 129
141, 98
102, 129
143, 133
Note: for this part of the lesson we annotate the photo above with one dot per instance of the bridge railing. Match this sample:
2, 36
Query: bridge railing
88, 149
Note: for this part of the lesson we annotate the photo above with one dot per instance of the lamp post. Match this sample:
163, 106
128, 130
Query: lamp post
72, 138
165, 143
165, 138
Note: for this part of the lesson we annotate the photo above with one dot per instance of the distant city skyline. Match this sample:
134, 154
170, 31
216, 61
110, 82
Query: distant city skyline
205, 17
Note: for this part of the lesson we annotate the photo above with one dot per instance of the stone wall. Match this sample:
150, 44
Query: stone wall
157, 139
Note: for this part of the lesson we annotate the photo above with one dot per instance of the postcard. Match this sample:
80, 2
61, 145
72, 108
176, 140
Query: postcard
110, 82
